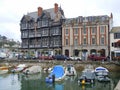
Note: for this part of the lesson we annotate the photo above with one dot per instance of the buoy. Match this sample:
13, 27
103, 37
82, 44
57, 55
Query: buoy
83, 81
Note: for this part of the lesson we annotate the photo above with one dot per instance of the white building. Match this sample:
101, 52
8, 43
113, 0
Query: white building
115, 43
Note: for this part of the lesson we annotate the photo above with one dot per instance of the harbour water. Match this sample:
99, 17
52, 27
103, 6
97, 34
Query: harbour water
37, 82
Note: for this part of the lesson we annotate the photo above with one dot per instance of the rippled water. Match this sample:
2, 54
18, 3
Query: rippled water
37, 82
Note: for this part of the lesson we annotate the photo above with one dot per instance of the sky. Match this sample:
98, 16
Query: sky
11, 12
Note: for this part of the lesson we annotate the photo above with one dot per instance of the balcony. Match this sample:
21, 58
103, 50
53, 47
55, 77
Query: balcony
31, 35
25, 46
25, 36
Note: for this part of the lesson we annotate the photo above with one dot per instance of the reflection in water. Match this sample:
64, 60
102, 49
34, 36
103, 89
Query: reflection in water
59, 87
37, 82
54, 86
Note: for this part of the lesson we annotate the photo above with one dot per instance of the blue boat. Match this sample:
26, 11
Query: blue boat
57, 74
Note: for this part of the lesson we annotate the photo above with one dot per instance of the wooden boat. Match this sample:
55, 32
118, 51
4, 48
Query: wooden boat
70, 70
4, 69
19, 68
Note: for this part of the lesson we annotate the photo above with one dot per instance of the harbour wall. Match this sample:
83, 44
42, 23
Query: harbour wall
79, 65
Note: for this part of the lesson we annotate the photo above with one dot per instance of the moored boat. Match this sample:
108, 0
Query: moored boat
101, 71
57, 74
70, 70
19, 68
33, 70
4, 69
87, 77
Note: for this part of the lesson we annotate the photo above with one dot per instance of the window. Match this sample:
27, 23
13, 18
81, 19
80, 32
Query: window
85, 41
44, 22
93, 30
103, 18
66, 31
84, 30
75, 30
76, 42
45, 42
66, 41
45, 32
93, 40
102, 40
24, 34
39, 23
102, 29
116, 35
56, 31
24, 25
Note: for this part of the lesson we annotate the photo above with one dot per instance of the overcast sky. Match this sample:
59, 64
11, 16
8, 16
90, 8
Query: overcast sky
11, 11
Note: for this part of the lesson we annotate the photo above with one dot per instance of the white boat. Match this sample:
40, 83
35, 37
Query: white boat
57, 74
99, 71
19, 68
33, 70
3, 69
70, 70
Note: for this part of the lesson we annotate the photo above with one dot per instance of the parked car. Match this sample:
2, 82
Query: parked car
75, 58
46, 58
2, 55
97, 57
61, 57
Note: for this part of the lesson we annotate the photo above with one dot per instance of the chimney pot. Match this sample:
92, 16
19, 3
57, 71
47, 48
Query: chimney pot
40, 11
55, 7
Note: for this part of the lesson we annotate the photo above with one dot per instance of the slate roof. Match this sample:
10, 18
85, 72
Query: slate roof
49, 12
115, 30
100, 18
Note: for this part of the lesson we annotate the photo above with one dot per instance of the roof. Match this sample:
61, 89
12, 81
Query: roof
49, 12
100, 18
115, 30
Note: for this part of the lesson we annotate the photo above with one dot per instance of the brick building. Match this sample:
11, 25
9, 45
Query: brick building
82, 36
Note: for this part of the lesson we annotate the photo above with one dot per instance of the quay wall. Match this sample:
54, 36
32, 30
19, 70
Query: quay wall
79, 65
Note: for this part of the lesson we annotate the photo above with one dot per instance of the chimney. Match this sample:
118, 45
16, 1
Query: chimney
55, 7
40, 11
111, 15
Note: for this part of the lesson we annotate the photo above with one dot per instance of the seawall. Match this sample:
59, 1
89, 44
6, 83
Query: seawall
79, 65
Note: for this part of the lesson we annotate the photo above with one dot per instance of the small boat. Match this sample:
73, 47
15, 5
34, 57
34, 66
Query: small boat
87, 77
19, 68
101, 71
103, 78
57, 74
33, 70
70, 70
4, 69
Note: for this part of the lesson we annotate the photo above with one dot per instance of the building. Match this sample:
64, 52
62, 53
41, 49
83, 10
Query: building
82, 36
115, 43
41, 31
